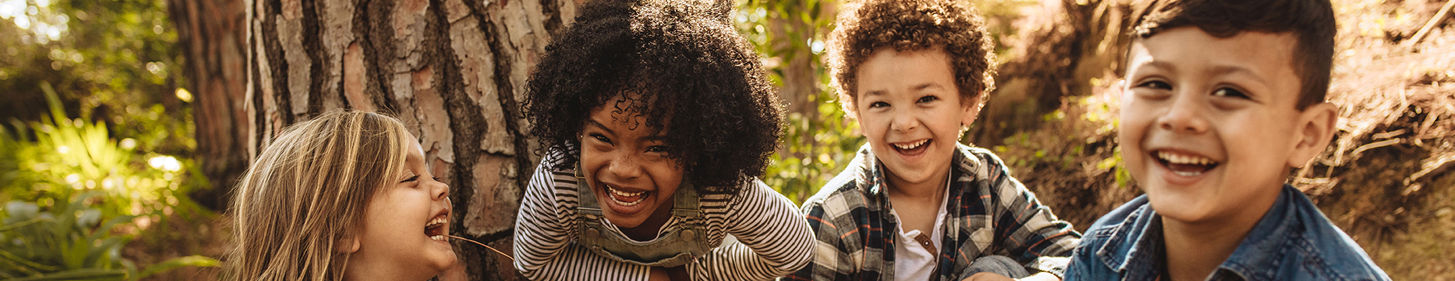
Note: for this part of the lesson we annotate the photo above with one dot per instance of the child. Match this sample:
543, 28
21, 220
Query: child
1224, 98
915, 204
345, 196
655, 118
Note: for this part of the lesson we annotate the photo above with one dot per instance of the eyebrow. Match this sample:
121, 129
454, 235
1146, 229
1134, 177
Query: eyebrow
593, 122
928, 85
1228, 69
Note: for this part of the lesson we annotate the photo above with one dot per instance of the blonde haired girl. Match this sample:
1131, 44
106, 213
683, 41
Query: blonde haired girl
346, 195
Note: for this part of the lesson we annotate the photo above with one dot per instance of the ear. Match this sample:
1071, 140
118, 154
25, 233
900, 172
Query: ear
851, 110
348, 245
1117, 89
971, 110
1313, 131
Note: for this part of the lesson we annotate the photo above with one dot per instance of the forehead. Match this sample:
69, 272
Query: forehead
1190, 51
888, 68
624, 112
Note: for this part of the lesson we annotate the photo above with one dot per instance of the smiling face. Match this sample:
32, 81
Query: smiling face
405, 224
625, 163
1209, 125
910, 109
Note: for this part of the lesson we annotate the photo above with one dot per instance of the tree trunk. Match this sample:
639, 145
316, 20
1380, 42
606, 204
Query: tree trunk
211, 36
454, 71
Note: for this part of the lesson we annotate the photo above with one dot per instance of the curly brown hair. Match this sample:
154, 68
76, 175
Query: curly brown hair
912, 25
679, 59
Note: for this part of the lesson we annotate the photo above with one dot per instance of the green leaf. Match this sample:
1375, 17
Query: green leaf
80, 274
196, 260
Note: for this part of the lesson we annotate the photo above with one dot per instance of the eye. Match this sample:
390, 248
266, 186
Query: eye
657, 149
926, 99
600, 138
410, 179
1155, 84
878, 104
1229, 92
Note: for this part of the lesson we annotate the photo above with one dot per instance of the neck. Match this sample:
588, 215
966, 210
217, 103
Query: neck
931, 189
648, 229
360, 268
1196, 249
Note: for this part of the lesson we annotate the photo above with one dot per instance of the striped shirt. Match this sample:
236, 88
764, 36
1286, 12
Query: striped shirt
989, 213
773, 238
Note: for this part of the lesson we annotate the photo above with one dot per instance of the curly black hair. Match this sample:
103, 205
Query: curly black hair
912, 25
681, 59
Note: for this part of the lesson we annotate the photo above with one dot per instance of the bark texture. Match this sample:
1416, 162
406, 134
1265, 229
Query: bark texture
211, 38
454, 71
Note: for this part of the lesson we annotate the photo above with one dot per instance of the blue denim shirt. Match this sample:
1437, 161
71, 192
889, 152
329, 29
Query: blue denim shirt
1293, 241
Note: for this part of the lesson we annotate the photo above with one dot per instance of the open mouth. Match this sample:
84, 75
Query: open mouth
1184, 164
911, 148
435, 228
625, 198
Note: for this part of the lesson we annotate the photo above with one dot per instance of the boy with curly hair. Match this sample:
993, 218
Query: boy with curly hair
915, 204
655, 118
1222, 99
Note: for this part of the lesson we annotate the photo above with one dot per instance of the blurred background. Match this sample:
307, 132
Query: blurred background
124, 124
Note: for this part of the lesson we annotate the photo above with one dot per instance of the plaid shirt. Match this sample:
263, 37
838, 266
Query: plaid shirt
989, 213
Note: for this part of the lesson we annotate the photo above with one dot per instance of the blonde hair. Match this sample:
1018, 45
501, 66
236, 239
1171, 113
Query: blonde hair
305, 195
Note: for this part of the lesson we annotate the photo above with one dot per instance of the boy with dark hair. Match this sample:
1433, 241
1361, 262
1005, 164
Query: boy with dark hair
914, 204
1223, 99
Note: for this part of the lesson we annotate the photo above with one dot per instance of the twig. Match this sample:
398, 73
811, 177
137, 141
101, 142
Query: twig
483, 245
1439, 16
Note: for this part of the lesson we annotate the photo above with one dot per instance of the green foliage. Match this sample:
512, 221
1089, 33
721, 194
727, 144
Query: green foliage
69, 156
71, 242
819, 142
110, 60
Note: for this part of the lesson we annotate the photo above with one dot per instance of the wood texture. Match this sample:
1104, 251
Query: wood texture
454, 71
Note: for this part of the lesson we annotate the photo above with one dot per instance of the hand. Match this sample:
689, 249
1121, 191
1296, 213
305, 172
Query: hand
668, 274
987, 276
658, 274
1042, 277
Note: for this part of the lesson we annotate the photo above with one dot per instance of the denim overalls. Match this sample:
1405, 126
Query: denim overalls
671, 249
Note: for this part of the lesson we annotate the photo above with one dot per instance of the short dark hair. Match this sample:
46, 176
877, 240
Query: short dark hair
684, 61
1310, 21
912, 25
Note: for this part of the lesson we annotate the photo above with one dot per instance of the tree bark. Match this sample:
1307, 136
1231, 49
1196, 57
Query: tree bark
210, 35
454, 71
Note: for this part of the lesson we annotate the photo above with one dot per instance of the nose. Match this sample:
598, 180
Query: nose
624, 167
903, 122
1184, 117
439, 190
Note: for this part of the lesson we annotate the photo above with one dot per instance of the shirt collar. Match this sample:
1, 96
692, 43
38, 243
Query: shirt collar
1134, 245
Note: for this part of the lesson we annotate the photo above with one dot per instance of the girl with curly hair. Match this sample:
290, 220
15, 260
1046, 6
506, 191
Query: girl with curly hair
345, 196
655, 118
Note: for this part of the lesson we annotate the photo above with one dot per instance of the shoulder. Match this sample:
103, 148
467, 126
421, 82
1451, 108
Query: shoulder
1106, 243
1321, 247
982, 163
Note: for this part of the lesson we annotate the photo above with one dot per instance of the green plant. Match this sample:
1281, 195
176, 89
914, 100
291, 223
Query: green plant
68, 156
71, 241
819, 138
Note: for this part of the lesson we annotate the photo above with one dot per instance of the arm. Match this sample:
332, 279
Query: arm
545, 247
1027, 230
830, 258
774, 239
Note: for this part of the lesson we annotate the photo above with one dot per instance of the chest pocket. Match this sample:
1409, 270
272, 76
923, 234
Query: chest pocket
676, 247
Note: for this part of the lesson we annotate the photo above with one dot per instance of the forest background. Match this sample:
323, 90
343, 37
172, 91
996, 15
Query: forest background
126, 122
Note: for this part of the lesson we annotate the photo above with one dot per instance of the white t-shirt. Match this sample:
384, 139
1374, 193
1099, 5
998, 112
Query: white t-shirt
914, 259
